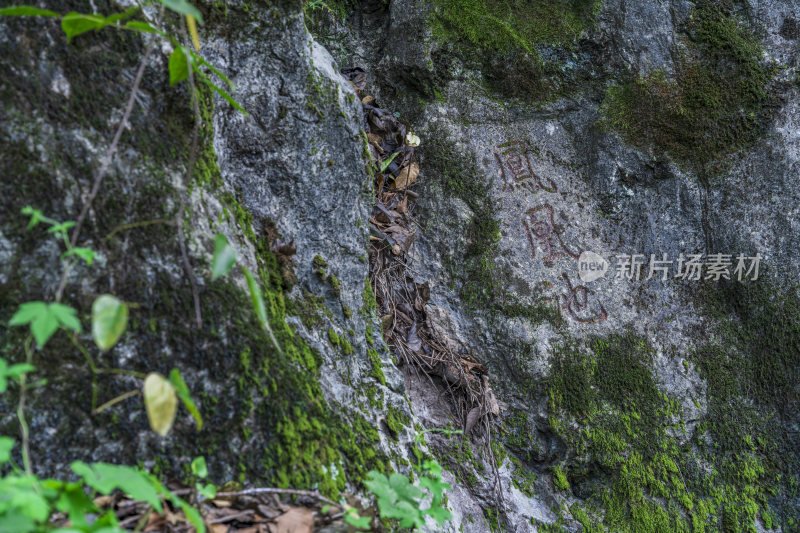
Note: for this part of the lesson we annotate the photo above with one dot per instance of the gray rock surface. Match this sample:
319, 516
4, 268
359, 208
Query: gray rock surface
292, 168
558, 182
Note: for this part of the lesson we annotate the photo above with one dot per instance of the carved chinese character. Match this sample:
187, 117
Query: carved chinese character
516, 170
540, 229
576, 303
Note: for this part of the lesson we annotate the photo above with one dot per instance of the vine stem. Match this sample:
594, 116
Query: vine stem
23, 423
106, 161
116, 400
187, 265
269, 490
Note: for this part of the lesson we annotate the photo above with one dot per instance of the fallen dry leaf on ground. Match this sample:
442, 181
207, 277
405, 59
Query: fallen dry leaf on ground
407, 176
295, 520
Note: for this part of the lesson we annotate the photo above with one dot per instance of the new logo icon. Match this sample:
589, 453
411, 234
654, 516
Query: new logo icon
591, 266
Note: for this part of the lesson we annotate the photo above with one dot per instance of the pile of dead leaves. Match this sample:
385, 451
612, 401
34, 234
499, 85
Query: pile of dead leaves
407, 326
248, 511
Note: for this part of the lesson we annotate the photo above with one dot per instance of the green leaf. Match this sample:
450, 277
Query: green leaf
35, 214
385, 164
259, 307
224, 257
27, 313
179, 64
209, 491
433, 468
43, 327
27, 11
6, 444
403, 487
61, 228
378, 484
223, 93
185, 396
438, 512
109, 320
73, 500
183, 7
15, 521
255, 297
199, 467
17, 370
160, 402
36, 217
117, 17
408, 514
434, 485
75, 24
143, 27
45, 319
352, 518
198, 59
66, 316
32, 504
104, 478
193, 516
87, 254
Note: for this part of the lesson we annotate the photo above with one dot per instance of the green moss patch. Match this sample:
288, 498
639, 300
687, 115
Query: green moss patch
508, 24
631, 468
717, 102
505, 39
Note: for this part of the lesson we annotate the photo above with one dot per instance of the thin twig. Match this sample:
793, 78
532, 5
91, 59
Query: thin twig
269, 490
187, 265
232, 517
114, 401
107, 160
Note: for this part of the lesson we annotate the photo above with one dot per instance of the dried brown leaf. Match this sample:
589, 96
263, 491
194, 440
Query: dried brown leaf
402, 207
470, 366
492, 405
407, 176
472, 418
222, 503
295, 520
103, 501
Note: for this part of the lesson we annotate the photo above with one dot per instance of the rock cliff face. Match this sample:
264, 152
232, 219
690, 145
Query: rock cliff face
649, 402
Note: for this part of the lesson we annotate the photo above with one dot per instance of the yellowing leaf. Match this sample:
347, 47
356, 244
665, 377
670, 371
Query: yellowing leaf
191, 23
160, 401
109, 320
